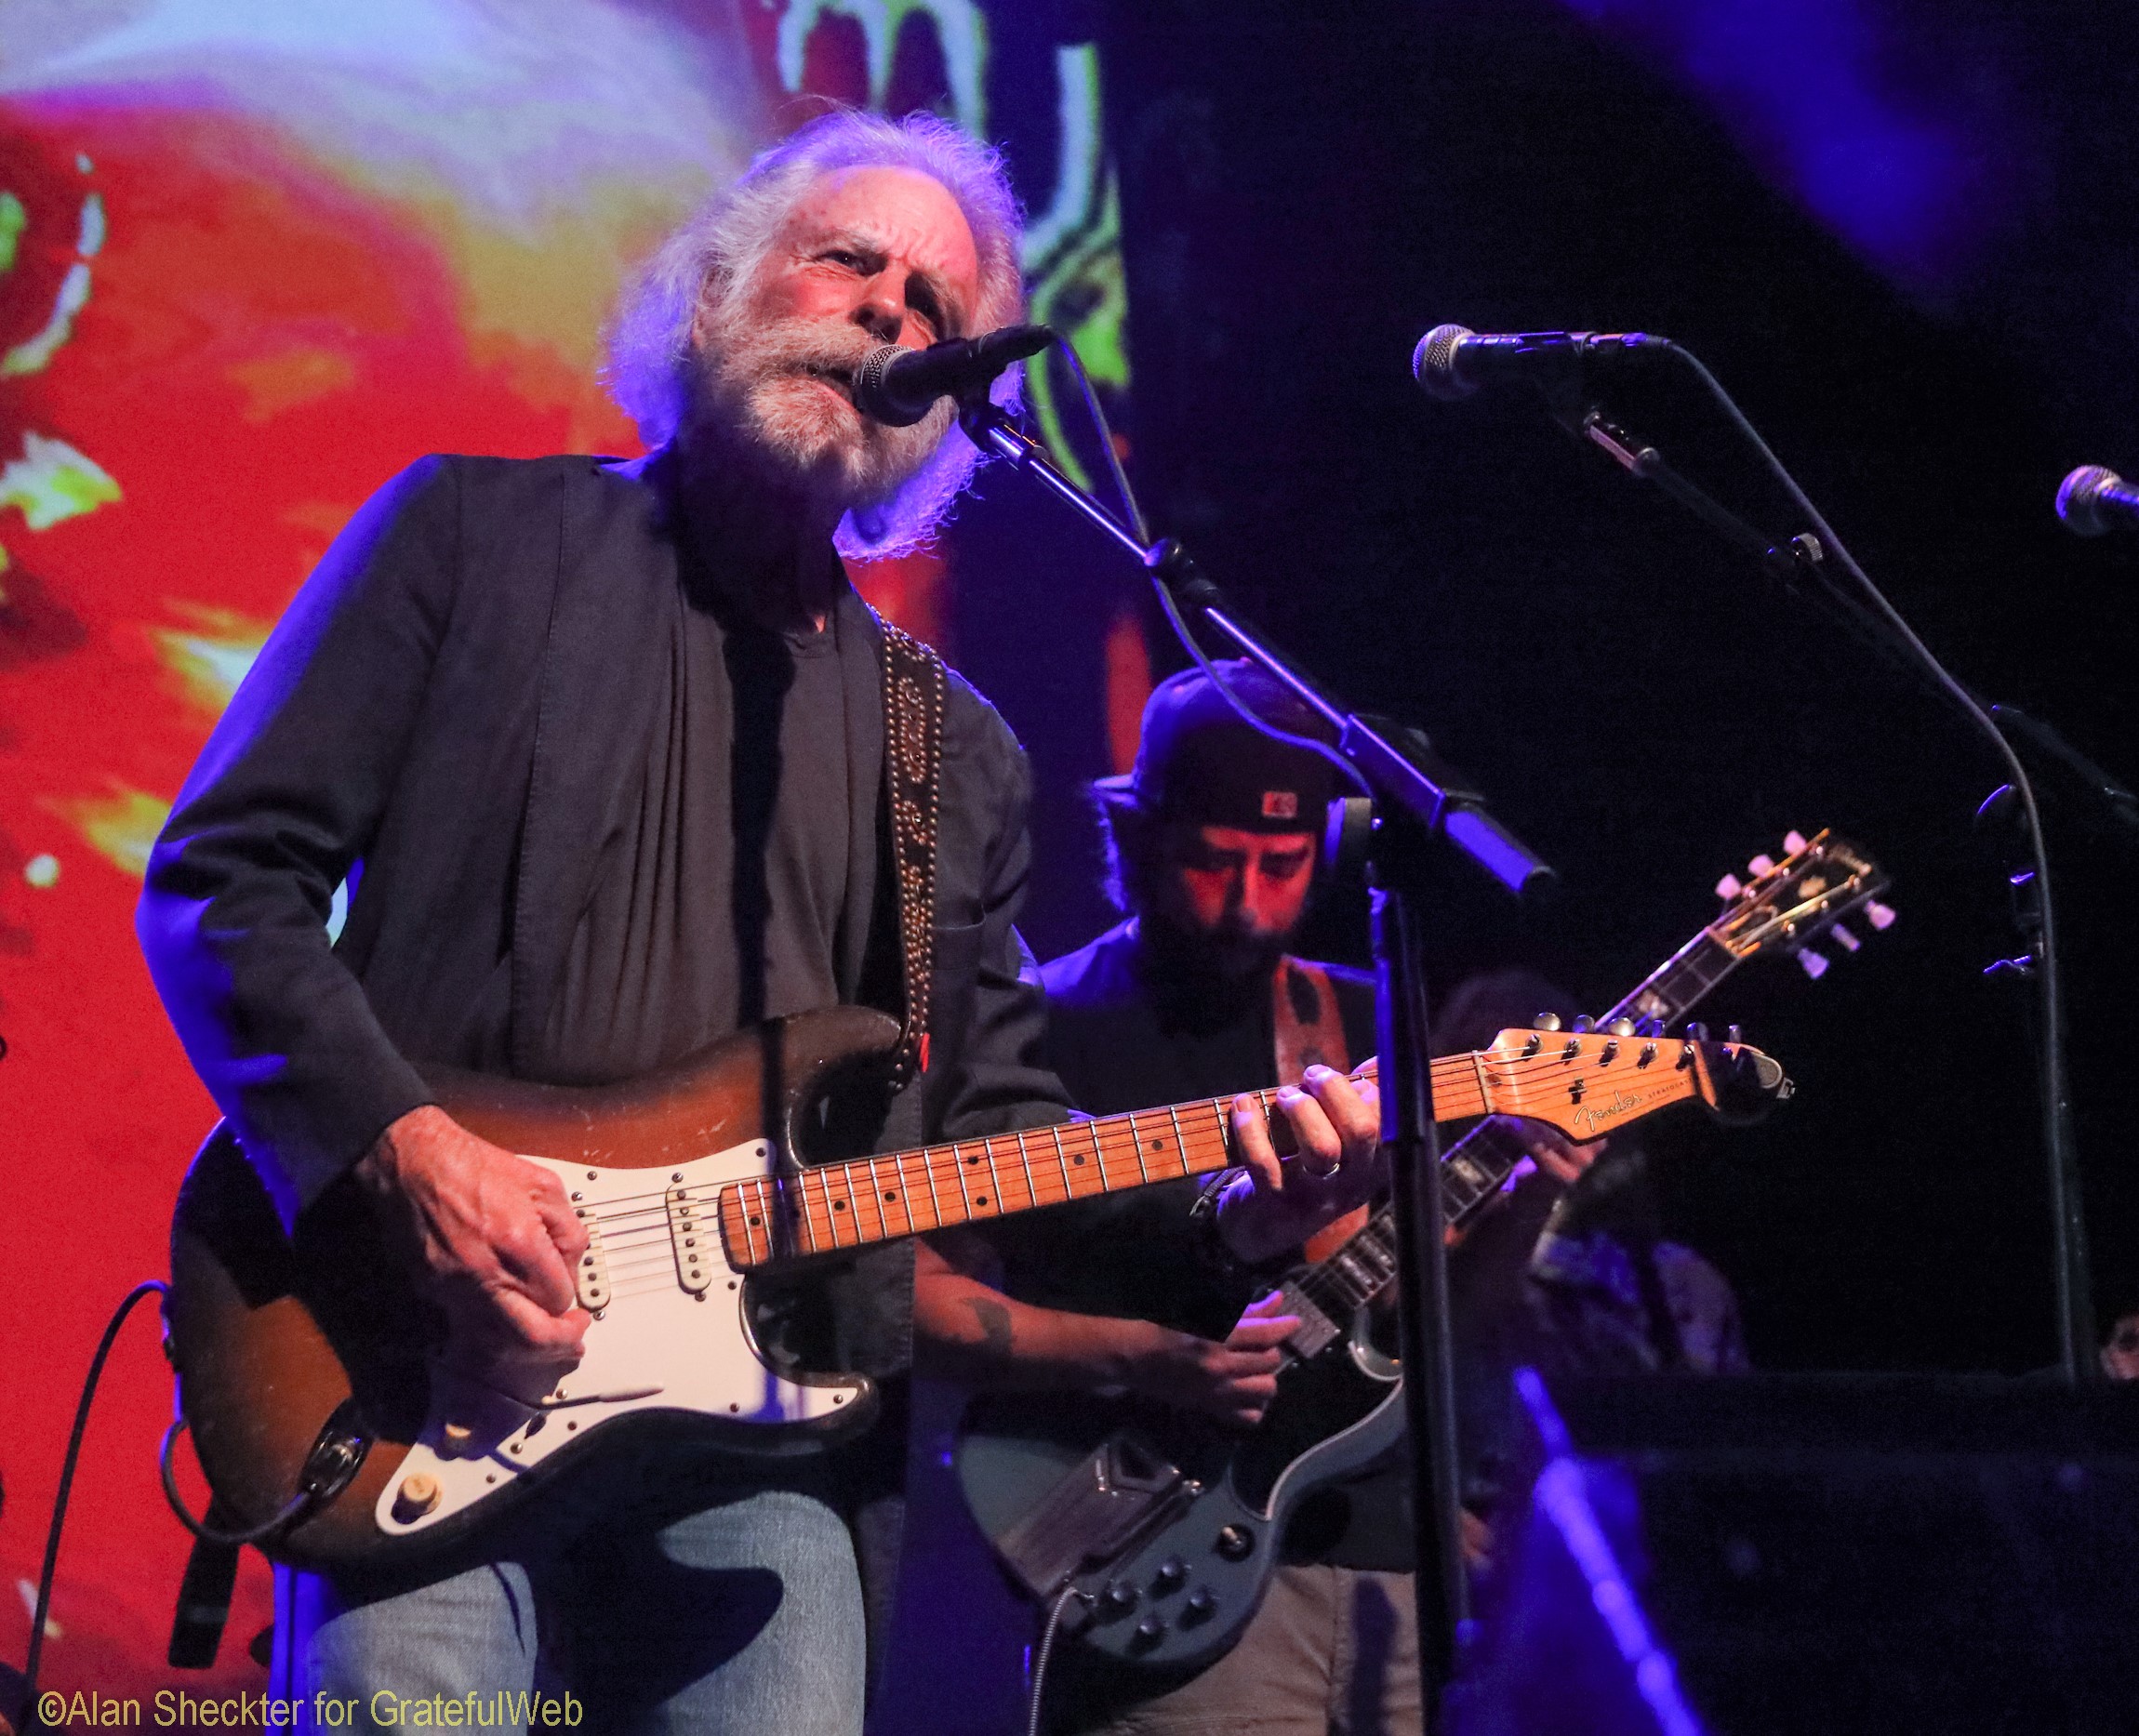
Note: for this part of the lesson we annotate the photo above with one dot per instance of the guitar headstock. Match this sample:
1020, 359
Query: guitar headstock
1788, 904
1589, 1083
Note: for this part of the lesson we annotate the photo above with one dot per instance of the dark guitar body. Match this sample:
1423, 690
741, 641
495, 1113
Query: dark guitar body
1169, 1525
285, 1345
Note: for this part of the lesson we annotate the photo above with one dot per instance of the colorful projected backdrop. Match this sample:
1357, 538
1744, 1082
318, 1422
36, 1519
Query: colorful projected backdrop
255, 256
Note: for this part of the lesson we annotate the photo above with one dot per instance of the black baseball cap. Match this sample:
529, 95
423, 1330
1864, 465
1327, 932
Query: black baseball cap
1198, 761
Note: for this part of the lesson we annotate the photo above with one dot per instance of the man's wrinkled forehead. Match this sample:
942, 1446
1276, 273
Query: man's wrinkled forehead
889, 213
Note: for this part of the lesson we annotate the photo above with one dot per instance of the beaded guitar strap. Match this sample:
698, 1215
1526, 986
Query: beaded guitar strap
914, 685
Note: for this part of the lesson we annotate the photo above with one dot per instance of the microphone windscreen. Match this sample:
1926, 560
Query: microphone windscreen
2079, 499
1433, 363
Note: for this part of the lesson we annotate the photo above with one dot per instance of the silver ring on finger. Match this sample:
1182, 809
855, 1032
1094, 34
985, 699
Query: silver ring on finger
1321, 1175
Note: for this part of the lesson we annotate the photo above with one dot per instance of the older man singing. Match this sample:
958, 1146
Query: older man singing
599, 749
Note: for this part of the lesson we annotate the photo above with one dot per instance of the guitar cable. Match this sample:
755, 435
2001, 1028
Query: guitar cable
31, 1720
1035, 1695
1168, 605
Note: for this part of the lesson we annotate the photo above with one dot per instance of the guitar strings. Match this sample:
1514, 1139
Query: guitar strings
1507, 1077
645, 1268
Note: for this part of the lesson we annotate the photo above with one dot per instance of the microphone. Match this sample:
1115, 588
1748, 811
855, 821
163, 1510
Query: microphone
2094, 497
897, 387
1452, 362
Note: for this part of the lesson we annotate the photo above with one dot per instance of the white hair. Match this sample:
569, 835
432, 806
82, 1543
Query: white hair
721, 247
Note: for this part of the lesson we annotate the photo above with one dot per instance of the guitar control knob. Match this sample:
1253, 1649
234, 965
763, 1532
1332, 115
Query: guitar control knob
1173, 1573
416, 1496
1150, 1630
1122, 1595
1236, 1543
1202, 1603
1545, 1022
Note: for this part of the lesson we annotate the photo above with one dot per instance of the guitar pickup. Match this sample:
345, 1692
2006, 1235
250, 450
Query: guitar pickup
1111, 1498
690, 1236
591, 1281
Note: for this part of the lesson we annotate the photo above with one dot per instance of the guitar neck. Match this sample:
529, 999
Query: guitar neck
1474, 1170
1680, 982
832, 1207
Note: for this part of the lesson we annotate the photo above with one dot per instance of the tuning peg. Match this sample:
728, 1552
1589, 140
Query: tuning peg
1729, 887
1793, 842
1651, 1027
1584, 1025
1814, 964
1734, 1035
1762, 864
1545, 1022
1879, 915
1843, 938
1621, 1027
1696, 1031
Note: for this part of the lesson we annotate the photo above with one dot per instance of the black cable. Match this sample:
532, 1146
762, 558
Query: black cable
1131, 511
1134, 515
2075, 1306
200, 1527
150, 1286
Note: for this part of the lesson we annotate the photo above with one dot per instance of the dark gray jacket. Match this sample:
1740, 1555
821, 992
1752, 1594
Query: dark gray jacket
445, 717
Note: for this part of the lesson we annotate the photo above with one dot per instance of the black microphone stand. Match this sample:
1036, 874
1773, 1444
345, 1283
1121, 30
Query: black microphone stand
1417, 798
1811, 558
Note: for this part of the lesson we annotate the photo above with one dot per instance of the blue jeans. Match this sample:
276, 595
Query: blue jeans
741, 1617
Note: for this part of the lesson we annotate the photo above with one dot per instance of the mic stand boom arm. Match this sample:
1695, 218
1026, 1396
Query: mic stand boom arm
1415, 799
1878, 624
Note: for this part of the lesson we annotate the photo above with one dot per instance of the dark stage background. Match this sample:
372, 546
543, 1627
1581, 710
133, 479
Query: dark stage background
1300, 202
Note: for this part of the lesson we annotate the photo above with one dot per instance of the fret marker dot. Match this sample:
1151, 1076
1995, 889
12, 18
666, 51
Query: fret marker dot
889, 1195
839, 1205
980, 1199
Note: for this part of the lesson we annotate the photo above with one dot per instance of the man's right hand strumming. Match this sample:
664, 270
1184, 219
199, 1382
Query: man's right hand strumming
1233, 1382
493, 1240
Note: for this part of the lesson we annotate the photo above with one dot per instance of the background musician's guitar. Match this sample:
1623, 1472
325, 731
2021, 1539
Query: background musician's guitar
1168, 1525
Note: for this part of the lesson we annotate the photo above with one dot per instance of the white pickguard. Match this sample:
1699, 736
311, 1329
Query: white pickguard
666, 1335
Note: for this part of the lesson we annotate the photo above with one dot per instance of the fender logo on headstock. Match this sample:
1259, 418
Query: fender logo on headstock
1594, 1119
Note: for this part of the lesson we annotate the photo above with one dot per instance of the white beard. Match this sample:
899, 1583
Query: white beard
782, 392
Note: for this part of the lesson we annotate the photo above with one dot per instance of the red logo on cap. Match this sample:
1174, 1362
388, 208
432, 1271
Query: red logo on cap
1281, 804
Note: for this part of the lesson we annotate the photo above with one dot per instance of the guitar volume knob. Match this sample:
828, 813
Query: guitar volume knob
1173, 1572
1202, 1603
1150, 1630
1121, 1595
416, 1496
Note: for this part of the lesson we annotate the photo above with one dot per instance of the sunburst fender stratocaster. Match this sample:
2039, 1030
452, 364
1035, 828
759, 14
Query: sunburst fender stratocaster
306, 1366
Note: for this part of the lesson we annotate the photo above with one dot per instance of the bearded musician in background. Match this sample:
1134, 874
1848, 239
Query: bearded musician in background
598, 748
1214, 841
